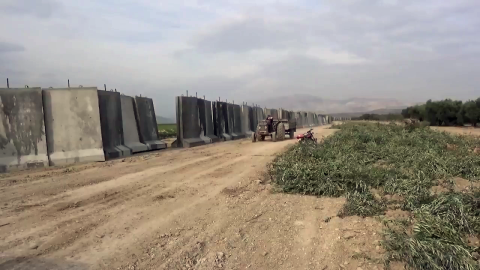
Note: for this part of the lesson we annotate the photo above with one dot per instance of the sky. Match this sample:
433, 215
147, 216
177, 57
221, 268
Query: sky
245, 50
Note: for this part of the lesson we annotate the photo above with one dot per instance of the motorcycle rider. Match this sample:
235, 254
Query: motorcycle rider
269, 123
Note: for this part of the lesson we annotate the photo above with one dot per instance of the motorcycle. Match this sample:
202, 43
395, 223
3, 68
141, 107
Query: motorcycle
307, 137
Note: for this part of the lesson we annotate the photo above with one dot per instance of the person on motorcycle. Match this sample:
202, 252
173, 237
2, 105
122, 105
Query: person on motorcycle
269, 123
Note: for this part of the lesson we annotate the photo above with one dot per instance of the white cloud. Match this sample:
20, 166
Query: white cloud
329, 56
243, 49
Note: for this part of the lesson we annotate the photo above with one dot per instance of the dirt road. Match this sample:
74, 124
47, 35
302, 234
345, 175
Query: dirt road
201, 208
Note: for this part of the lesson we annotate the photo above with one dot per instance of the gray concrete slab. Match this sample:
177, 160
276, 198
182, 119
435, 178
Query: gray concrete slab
252, 119
310, 119
247, 118
231, 122
206, 121
112, 126
237, 122
72, 122
260, 114
315, 119
131, 135
147, 123
22, 133
298, 117
189, 129
271, 112
283, 114
220, 120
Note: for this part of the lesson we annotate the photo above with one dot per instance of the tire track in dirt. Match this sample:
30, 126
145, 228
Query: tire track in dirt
200, 208
100, 200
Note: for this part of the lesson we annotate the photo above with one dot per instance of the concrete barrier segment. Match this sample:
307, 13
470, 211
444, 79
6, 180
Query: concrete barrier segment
260, 114
130, 127
147, 123
231, 122
237, 122
112, 126
22, 132
189, 131
247, 118
220, 120
271, 112
298, 118
72, 124
206, 121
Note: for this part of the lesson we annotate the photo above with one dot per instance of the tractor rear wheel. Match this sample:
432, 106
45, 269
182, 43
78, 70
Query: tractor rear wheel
292, 134
254, 137
280, 132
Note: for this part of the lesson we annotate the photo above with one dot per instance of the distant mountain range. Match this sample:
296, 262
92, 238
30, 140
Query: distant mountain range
352, 107
356, 106
379, 111
164, 120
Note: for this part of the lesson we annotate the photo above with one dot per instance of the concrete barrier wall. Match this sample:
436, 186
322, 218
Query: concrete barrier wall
131, 135
304, 119
147, 122
303, 115
298, 117
220, 120
253, 119
271, 112
231, 122
112, 126
247, 120
310, 119
283, 114
22, 133
237, 122
72, 122
260, 114
206, 118
189, 126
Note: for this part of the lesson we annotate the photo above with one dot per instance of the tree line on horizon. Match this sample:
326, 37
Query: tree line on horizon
446, 112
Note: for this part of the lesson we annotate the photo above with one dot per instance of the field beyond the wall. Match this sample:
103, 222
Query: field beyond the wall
167, 130
421, 184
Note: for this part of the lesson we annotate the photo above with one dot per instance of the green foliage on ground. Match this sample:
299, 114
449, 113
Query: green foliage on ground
406, 162
167, 130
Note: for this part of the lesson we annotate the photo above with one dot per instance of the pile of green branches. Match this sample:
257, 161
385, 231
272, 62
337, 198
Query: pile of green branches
406, 162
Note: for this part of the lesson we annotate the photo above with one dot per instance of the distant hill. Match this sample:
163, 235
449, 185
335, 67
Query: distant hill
334, 106
164, 120
378, 111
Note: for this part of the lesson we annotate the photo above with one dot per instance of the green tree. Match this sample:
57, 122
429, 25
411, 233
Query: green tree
472, 111
431, 109
446, 112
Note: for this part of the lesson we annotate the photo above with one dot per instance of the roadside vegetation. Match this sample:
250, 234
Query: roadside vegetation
167, 130
380, 168
446, 112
